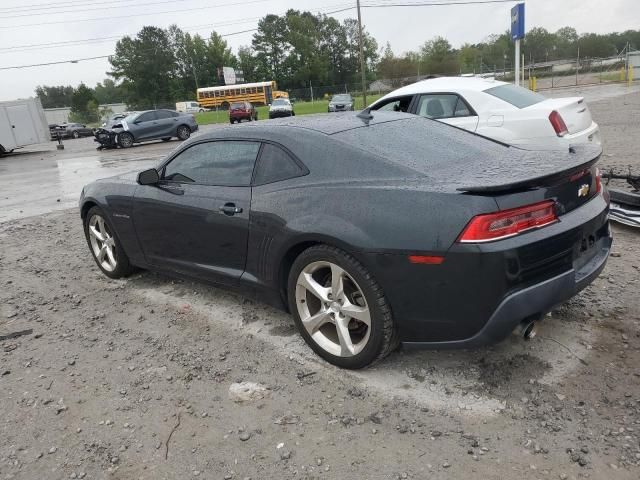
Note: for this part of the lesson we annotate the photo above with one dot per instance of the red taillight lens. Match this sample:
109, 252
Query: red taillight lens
598, 180
426, 259
507, 223
558, 124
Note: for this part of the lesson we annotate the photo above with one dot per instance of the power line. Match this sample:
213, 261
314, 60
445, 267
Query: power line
77, 60
63, 4
55, 63
435, 4
71, 43
58, 12
188, 28
111, 17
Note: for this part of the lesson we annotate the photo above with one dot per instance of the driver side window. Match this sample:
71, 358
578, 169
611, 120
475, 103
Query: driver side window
400, 104
223, 163
147, 117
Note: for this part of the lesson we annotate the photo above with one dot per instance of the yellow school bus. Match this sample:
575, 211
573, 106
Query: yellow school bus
259, 93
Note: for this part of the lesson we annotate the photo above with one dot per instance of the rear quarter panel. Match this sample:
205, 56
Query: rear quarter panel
360, 219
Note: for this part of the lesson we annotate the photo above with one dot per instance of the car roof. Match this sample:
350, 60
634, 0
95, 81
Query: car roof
320, 123
443, 84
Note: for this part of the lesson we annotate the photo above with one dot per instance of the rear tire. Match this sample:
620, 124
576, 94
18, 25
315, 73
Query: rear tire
75, 134
183, 132
125, 140
340, 333
100, 235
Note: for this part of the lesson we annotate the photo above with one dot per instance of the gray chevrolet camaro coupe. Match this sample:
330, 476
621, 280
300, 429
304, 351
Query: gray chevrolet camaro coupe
371, 230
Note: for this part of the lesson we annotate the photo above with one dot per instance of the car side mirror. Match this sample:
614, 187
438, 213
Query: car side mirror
149, 177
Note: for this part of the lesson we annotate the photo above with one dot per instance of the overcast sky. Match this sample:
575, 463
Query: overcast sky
404, 27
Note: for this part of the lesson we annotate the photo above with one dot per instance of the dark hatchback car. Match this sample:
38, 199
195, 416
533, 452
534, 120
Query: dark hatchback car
239, 111
370, 231
77, 130
154, 125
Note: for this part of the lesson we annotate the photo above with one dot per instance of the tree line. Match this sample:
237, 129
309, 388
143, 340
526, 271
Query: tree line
158, 67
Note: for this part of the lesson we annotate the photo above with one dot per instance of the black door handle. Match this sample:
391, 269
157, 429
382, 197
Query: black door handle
230, 209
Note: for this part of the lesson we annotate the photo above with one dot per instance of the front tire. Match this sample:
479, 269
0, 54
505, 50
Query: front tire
125, 140
183, 132
104, 245
339, 309
75, 134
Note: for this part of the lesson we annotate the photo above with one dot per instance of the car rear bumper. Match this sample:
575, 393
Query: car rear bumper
532, 302
481, 292
590, 135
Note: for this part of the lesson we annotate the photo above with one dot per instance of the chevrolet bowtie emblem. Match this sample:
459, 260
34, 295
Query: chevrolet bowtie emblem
583, 191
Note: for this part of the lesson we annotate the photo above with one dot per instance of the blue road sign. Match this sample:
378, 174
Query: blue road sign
517, 22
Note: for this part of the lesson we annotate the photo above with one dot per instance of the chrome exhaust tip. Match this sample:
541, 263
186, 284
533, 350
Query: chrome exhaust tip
527, 329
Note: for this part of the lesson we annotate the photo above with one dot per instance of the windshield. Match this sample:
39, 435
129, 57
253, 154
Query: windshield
517, 96
341, 99
129, 118
236, 105
280, 102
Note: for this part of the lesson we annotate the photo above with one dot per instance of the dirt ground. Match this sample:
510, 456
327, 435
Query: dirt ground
130, 379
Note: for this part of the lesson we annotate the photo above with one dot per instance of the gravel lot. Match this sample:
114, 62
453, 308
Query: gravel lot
130, 379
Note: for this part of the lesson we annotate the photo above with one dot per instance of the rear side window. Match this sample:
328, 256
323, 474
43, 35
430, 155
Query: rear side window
162, 114
517, 96
442, 106
274, 165
214, 163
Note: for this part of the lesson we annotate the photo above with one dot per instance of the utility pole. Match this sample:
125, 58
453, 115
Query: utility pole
364, 79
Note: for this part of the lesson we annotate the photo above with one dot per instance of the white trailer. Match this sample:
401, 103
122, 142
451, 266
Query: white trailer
22, 123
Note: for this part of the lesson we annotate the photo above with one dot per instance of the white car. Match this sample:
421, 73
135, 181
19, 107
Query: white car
498, 110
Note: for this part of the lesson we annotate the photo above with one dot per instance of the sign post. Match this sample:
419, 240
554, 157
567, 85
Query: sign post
517, 34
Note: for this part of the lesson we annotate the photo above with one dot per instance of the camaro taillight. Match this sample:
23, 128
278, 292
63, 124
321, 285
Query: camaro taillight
558, 124
507, 223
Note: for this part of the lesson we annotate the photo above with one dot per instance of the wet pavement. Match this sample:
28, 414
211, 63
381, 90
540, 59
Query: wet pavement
42, 179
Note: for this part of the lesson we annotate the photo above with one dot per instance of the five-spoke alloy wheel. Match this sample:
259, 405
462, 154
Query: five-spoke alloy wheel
336, 316
104, 244
339, 309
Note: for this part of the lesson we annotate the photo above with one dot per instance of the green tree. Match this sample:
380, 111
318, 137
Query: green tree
439, 57
54, 97
84, 106
108, 92
248, 63
146, 66
271, 47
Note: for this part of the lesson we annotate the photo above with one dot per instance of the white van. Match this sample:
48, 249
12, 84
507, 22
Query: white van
189, 107
22, 123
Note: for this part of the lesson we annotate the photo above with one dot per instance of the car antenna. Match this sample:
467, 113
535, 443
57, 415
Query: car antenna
365, 115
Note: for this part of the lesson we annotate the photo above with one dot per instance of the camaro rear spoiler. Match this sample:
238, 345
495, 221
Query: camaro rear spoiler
521, 169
